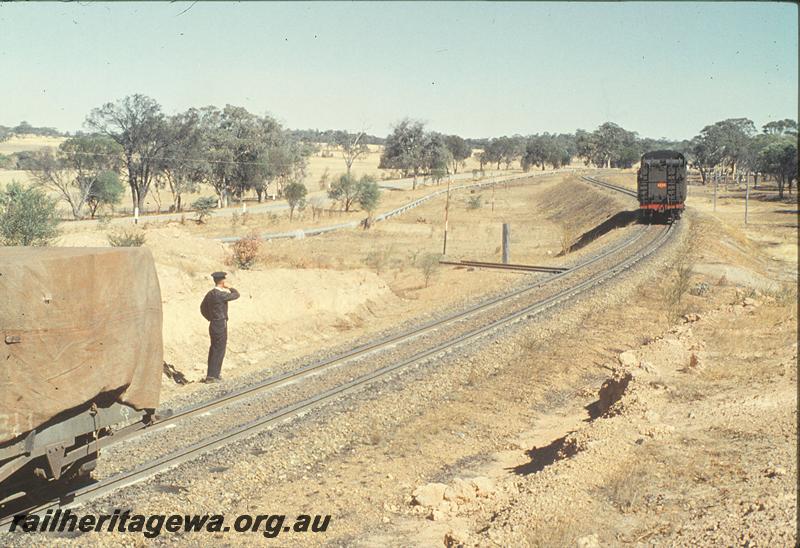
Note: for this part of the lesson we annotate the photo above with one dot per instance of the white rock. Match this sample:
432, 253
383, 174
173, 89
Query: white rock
460, 492
647, 366
651, 416
429, 495
484, 487
589, 541
628, 359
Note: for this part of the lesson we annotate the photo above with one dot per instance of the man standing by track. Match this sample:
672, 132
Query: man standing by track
214, 308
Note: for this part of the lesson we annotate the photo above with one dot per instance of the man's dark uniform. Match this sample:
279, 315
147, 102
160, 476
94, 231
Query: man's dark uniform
214, 308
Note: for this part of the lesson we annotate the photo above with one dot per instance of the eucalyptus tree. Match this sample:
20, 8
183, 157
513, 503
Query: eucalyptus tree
184, 163
726, 142
459, 149
437, 155
780, 127
75, 169
779, 159
352, 146
137, 124
404, 149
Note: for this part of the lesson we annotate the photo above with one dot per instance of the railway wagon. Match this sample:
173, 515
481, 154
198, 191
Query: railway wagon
661, 185
82, 357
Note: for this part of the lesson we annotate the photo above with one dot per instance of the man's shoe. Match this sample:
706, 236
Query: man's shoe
208, 380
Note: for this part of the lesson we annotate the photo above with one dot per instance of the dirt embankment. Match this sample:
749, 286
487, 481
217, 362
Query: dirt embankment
689, 440
306, 295
280, 309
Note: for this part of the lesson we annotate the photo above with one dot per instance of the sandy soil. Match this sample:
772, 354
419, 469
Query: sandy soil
688, 435
659, 410
690, 440
306, 295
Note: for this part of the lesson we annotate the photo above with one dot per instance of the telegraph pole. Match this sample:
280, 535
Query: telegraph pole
446, 211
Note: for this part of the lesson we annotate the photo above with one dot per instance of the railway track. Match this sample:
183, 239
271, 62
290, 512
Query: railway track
610, 186
148, 469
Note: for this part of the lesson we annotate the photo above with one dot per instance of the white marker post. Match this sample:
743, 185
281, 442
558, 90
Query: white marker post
136, 215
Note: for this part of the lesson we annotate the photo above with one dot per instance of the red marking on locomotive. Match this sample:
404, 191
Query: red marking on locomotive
661, 207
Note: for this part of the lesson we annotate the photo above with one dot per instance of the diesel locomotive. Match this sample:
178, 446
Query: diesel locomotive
661, 185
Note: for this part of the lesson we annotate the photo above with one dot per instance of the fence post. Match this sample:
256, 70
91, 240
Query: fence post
506, 238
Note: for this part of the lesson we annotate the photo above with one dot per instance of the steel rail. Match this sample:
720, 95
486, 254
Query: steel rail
142, 472
169, 417
215, 442
507, 266
372, 346
610, 186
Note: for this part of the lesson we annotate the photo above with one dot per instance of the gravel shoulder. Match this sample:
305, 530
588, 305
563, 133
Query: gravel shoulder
659, 408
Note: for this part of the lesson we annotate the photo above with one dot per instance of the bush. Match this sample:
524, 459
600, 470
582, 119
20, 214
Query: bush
204, 207
126, 238
103, 222
379, 259
27, 216
369, 195
429, 263
475, 202
245, 251
567, 238
344, 190
295, 194
107, 189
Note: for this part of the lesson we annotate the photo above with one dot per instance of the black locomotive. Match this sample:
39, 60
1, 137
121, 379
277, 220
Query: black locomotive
661, 185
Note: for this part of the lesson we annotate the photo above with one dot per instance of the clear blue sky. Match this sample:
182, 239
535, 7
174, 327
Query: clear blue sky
475, 69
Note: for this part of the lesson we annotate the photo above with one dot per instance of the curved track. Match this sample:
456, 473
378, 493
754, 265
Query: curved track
148, 469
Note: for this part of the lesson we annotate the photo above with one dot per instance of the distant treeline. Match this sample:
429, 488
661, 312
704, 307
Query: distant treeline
24, 128
236, 152
331, 136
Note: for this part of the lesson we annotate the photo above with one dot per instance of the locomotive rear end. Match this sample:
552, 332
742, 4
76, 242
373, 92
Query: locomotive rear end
661, 185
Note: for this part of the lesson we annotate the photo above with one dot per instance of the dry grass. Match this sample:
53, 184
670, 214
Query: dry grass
559, 531
567, 238
378, 259
29, 142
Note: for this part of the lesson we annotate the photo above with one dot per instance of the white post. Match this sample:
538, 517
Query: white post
136, 215
244, 207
